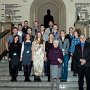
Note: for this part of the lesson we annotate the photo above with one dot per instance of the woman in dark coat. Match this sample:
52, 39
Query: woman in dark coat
48, 46
14, 56
26, 54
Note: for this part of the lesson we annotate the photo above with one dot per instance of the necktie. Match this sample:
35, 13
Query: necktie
82, 46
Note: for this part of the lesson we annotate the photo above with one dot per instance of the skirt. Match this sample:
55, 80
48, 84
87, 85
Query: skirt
55, 71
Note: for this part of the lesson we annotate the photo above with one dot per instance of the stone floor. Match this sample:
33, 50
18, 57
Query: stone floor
6, 84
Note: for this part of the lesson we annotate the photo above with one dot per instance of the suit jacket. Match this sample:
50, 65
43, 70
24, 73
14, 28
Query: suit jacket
78, 54
65, 45
24, 29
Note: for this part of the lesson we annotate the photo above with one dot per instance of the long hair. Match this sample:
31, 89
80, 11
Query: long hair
78, 32
15, 37
25, 37
41, 39
49, 37
30, 29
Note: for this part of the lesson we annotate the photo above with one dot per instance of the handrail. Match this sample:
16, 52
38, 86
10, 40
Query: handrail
3, 38
2, 34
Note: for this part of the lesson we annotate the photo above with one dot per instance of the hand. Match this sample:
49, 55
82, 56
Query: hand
32, 58
71, 54
59, 60
83, 61
9, 59
20, 59
45, 58
7, 49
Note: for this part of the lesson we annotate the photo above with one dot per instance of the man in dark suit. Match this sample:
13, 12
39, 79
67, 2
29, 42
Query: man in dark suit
82, 62
25, 27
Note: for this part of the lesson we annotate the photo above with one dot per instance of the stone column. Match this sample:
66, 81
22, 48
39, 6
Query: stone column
89, 30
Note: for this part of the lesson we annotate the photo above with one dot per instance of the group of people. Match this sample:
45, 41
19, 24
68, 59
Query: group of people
48, 50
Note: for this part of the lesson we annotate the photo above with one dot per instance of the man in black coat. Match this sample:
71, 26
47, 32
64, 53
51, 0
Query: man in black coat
82, 62
25, 27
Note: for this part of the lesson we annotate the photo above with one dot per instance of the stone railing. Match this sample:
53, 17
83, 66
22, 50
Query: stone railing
3, 38
5, 31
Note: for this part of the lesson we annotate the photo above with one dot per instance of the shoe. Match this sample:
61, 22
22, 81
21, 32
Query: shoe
27, 80
39, 80
48, 80
74, 74
46, 74
13, 80
20, 69
35, 79
63, 80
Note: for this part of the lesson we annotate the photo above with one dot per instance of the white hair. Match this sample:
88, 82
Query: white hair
56, 41
82, 35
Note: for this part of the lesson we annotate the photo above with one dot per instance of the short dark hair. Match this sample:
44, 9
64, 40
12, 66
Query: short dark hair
25, 21
48, 10
70, 28
14, 28
41, 25
63, 31
30, 28
19, 25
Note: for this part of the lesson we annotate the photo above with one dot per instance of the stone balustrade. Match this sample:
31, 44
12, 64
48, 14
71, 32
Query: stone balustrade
4, 33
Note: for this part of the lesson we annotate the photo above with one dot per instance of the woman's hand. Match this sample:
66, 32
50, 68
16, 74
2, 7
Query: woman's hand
32, 58
59, 60
45, 58
9, 59
20, 59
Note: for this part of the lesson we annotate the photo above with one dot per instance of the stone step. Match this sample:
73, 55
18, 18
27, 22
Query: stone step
6, 84
43, 78
6, 72
6, 65
22, 84
37, 88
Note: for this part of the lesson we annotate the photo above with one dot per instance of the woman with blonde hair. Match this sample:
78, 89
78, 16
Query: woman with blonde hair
38, 56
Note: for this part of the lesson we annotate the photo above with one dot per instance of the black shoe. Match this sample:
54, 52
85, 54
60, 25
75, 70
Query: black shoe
48, 80
13, 80
46, 74
74, 74
20, 69
35, 80
63, 80
38, 78
27, 80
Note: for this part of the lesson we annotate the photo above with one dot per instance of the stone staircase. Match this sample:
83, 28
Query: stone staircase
6, 84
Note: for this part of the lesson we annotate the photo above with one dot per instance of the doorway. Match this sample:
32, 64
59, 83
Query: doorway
58, 10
